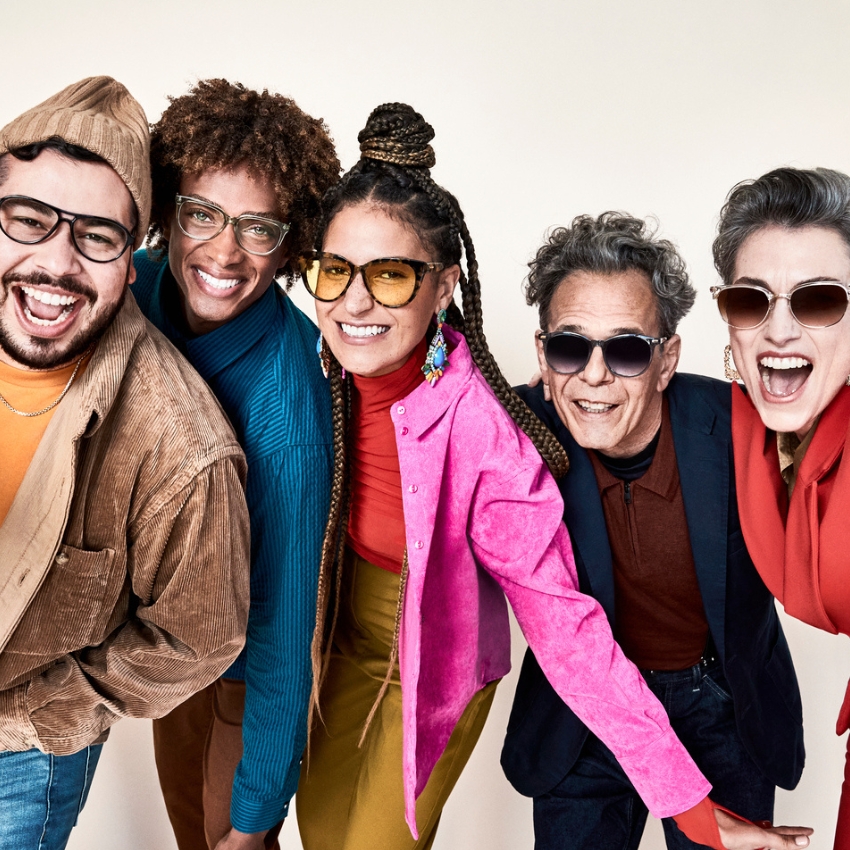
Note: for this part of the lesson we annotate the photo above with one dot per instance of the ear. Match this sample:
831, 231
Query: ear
446, 284
669, 355
131, 272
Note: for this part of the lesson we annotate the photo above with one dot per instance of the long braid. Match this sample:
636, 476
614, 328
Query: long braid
473, 329
334, 540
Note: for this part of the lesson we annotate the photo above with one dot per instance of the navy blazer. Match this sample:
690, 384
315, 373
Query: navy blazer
544, 736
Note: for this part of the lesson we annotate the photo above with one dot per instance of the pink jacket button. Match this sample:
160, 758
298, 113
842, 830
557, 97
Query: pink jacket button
400, 409
412, 488
418, 544
404, 431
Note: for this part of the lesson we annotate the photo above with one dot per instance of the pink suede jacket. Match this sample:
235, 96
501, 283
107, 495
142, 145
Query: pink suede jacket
483, 521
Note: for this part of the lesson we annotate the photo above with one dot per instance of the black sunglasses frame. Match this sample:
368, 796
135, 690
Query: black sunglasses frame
650, 341
420, 269
772, 297
71, 219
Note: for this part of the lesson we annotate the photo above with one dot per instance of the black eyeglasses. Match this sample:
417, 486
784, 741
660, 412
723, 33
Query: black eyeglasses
29, 221
625, 355
392, 281
818, 304
203, 221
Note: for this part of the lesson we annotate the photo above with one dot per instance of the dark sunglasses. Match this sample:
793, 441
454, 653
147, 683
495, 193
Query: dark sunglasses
30, 221
625, 355
814, 305
392, 281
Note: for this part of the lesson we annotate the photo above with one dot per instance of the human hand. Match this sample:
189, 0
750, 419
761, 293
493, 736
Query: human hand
535, 379
235, 840
740, 835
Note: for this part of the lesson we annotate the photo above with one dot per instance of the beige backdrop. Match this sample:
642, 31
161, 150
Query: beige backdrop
543, 110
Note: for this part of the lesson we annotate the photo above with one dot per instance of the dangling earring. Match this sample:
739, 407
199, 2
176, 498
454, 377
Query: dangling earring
324, 354
728, 369
436, 359
847, 380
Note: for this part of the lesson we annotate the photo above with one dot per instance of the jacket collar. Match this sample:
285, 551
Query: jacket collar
428, 404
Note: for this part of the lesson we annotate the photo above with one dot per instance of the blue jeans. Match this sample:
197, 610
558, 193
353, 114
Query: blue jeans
595, 805
41, 796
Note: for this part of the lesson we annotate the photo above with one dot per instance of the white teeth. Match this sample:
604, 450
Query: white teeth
50, 298
48, 323
363, 330
217, 283
594, 406
784, 362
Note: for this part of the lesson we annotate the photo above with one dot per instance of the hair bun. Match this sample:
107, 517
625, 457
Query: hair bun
398, 134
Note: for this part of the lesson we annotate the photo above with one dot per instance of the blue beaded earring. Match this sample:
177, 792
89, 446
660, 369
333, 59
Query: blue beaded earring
436, 359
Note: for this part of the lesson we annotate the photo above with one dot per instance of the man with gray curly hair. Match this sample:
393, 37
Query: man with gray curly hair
651, 508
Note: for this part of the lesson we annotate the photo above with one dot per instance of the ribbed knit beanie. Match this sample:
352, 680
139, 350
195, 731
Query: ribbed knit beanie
98, 114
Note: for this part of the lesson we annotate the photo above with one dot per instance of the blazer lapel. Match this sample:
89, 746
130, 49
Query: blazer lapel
702, 455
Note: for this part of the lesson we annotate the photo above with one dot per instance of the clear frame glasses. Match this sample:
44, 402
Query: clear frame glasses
625, 355
30, 221
818, 304
391, 281
203, 221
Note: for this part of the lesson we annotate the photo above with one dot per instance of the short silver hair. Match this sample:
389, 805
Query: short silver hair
612, 243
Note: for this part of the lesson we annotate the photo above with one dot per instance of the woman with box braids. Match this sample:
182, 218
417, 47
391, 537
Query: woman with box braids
441, 506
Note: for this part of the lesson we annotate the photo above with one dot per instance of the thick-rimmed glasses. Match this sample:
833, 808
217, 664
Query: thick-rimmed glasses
625, 355
30, 221
391, 281
203, 221
817, 304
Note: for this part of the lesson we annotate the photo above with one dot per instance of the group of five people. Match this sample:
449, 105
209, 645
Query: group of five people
392, 492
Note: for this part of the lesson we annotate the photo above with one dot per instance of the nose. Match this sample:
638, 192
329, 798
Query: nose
358, 299
224, 249
596, 373
782, 327
57, 255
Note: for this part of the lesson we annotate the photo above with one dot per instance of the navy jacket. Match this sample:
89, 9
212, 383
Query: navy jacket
544, 736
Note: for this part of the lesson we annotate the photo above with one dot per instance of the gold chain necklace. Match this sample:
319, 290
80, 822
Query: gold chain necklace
53, 403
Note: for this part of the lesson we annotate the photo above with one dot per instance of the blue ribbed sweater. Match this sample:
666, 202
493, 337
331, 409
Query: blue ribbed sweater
263, 368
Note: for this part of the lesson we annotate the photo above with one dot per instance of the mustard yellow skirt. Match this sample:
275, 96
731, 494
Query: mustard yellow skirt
350, 797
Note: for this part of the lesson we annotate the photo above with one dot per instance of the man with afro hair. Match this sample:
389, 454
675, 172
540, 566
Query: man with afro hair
238, 177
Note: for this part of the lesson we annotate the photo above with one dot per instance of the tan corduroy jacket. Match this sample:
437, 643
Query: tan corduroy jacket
124, 557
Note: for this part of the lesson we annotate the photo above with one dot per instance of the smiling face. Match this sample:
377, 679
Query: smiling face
617, 416
54, 303
367, 338
218, 279
792, 372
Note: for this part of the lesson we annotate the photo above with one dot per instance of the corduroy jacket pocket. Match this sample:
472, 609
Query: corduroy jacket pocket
72, 608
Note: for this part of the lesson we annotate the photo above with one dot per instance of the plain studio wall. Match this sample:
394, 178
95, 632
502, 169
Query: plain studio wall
543, 110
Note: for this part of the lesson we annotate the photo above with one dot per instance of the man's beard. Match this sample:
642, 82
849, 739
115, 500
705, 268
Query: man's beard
42, 353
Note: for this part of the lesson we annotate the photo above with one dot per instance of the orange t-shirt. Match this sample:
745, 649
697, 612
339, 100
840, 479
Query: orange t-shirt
27, 391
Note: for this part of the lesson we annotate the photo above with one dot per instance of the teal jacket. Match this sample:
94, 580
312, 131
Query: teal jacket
263, 368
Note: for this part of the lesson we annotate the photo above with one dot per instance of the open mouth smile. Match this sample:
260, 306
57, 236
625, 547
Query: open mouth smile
784, 376
45, 309
219, 283
594, 406
363, 331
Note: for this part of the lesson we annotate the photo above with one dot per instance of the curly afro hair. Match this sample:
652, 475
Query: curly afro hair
219, 125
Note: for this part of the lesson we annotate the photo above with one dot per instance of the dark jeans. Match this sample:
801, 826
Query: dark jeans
595, 805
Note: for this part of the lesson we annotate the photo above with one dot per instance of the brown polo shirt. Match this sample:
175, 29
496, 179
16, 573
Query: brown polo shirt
660, 621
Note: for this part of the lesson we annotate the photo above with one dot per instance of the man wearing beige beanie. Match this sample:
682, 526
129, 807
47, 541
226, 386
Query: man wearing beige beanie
123, 527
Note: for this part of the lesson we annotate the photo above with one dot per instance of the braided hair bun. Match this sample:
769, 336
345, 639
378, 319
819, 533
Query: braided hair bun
396, 133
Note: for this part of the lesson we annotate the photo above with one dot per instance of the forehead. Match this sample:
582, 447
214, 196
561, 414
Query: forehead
366, 232
91, 188
783, 257
236, 190
604, 304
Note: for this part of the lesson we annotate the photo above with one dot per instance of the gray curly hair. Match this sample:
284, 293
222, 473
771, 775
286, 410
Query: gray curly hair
614, 242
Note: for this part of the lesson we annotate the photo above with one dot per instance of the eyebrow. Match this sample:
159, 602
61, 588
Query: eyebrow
754, 281
580, 329
266, 214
